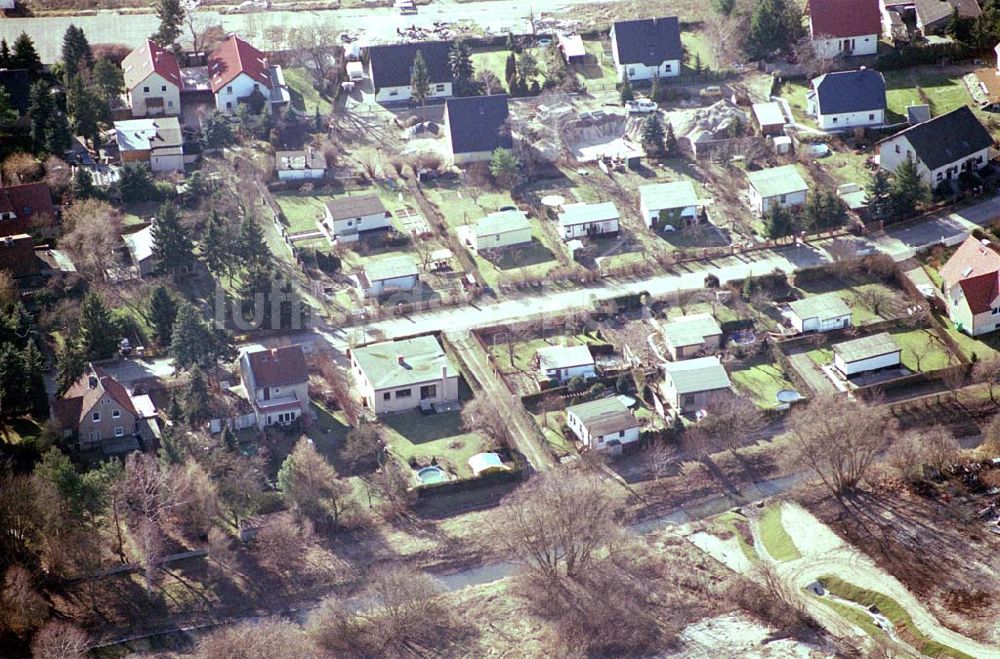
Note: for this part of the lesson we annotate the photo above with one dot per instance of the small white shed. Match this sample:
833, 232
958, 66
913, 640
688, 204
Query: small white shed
819, 313
867, 354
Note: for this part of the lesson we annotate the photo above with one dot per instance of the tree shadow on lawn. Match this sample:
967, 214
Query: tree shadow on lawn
419, 428
519, 256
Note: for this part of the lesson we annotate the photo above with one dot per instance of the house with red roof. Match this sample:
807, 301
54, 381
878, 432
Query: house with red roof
236, 70
844, 28
971, 286
25, 207
277, 384
100, 412
152, 81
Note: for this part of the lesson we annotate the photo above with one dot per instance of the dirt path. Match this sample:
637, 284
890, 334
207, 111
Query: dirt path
824, 553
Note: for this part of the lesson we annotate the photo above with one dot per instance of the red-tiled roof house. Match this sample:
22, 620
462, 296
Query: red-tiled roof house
971, 287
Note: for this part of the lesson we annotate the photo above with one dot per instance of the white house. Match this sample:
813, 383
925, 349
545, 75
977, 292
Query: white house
346, 217
501, 229
648, 48
158, 142
390, 68
152, 81
866, 354
677, 199
694, 384
277, 383
581, 219
475, 126
7, 5
943, 148
392, 274
781, 186
819, 313
306, 164
604, 424
398, 376
844, 28
971, 287
140, 249
560, 364
236, 70
847, 99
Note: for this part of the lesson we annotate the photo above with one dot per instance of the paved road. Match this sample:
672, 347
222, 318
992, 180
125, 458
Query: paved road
265, 29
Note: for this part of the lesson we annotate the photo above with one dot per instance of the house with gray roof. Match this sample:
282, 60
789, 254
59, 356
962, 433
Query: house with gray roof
140, 249
559, 364
847, 99
647, 48
390, 68
581, 220
943, 148
345, 218
603, 425
688, 335
476, 126
677, 199
819, 313
501, 229
694, 384
933, 16
398, 376
867, 354
389, 274
776, 186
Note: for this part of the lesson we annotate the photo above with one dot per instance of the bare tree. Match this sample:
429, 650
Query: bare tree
406, 612
840, 440
874, 298
555, 524
22, 608
280, 543
953, 379
21, 168
991, 436
391, 486
266, 639
311, 485
60, 640
844, 253
931, 447
661, 456
92, 231
364, 448
317, 45
201, 505
483, 414
987, 371
919, 351
731, 422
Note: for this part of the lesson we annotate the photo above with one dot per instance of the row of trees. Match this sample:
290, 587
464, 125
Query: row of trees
823, 211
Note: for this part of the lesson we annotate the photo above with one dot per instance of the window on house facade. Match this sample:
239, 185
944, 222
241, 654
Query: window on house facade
116, 414
621, 434
428, 391
404, 393
229, 89
229, 106
256, 87
119, 431
95, 435
163, 88
439, 88
783, 198
387, 395
393, 92
835, 120
170, 104
995, 311
897, 148
871, 116
668, 68
145, 90
95, 417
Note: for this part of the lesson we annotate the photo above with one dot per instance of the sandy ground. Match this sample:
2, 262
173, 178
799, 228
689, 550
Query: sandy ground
727, 552
738, 635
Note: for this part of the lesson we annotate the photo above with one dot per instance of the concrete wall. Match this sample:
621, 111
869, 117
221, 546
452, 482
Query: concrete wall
355, 224
762, 205
404, 94
167, 163
600, 443
650, 214
686, 352
564, 375
300, 174
390, 285
860, 45
813, 324
581, 230
865, 365
692, 402
851, 119
159, 88
505, 239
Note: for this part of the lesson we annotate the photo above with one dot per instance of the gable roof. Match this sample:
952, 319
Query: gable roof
649, 41
844, 18
278, 367
850, 91
827, 306
299, 159
972, 259
343, 208
391, 65
695, 375
86, 392
26, 202
147, 59
583, 213
391, 267
603, 416
768, 114
501, 222
233, 57
930, 12
17, 83
691, 330
666, 196
776, 181
162, 135
946, 138
406, 362
866, 347
140, 244
478, 123
554, 357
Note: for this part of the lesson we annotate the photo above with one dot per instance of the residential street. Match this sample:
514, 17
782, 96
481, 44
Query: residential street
373, 25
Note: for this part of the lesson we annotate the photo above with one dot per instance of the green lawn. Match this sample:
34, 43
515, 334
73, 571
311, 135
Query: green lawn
459, 207
846, 166
821, 356
972, 346
912, 342
891, 609
720, 312
301, 211
440, 436
729, 521
862, 620
761, 383
697, 44
776, 540
795, 93
525, 351
943, 93
305, 98
495, 60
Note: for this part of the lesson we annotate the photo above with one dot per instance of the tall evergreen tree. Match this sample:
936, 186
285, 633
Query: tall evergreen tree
653, 136
6, 58
625, 91
907, 191
215, 250
774, 25
162, 314
58, 136
8, 115
195, 402
171, 15
779, 221
193, 342
253, 249
420, 79
70, 362
879, 205
83, 184
172, 247
77, 55
84, 107
98, 330
462, 70
34, 380
26, 57
41, 107
109, 81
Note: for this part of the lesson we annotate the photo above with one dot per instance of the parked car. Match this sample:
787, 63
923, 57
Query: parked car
641, 106
710, 91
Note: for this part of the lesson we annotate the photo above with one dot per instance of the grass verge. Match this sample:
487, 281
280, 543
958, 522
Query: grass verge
776, 540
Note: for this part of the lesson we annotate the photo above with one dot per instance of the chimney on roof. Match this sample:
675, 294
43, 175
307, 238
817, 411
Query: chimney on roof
92, 381
444, 371
400, 360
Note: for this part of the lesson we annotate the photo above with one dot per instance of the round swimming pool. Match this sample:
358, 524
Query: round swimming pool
429, 475
788, 396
